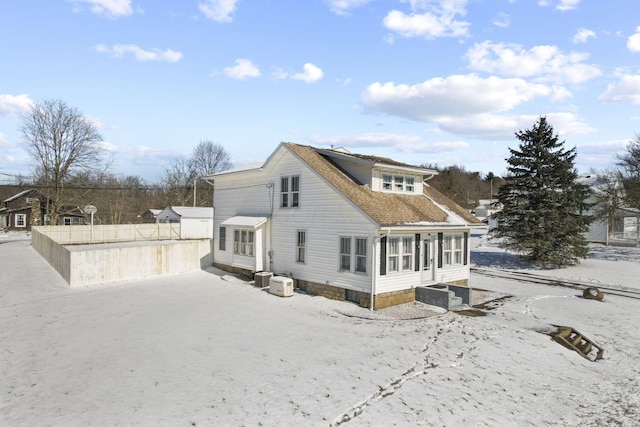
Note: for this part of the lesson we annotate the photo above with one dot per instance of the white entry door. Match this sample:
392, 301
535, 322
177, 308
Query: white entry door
428, 267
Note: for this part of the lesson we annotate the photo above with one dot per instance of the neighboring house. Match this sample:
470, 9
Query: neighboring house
622, 228
346, 226
71, 215
23, 210
195, 222
486, 208
150, 216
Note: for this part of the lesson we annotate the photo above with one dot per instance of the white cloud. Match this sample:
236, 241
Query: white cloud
109, 8
14, 105
310, 73
562, 5
243, 69
456, 95
401, 142
583, 35
567, 4
498, 126
544, 63
625, 89
502, 20
429, 19
218, 10
342, 7
633, 42
118, 51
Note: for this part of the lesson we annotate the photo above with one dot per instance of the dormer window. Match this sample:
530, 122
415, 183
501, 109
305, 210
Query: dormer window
408, 185
398, 183
386, 182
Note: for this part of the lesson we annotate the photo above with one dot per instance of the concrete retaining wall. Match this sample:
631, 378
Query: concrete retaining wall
89, 264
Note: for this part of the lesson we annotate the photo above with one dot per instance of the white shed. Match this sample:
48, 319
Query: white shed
195, 222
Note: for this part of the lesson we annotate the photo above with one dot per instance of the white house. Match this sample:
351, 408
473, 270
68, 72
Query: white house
346, 226
195, 222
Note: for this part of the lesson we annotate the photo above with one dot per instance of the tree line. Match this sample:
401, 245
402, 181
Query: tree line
547, 207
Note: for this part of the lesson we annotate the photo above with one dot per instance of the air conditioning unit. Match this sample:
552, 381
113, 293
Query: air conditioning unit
281, 286
262, 278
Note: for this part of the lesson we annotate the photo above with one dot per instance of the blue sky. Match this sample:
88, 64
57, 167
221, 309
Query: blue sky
421, 81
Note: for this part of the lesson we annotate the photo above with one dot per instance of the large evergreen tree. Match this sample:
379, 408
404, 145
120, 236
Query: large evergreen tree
544, 203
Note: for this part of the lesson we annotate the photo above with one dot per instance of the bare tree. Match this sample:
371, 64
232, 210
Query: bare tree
62, 142
184, 178
209, 157
178, 182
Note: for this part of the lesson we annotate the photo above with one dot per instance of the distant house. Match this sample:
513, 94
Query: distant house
346, 226
23, 210
622, 227
71, 215
150, 216
195, 222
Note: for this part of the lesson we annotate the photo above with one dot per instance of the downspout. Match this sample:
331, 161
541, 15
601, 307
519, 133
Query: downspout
213, 228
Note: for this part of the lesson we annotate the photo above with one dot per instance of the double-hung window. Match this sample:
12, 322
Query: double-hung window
386, 182
398, 183
399, 254
361, 255
345, 253
290, 191
394, 253
301, 246
407, 253
457, 249
243, 242
21, 220
222, 240
353, 254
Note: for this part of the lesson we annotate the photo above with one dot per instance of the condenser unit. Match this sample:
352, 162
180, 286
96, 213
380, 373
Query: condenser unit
262, 278
281, 286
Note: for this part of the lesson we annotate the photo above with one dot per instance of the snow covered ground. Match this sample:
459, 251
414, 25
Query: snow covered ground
206, 349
